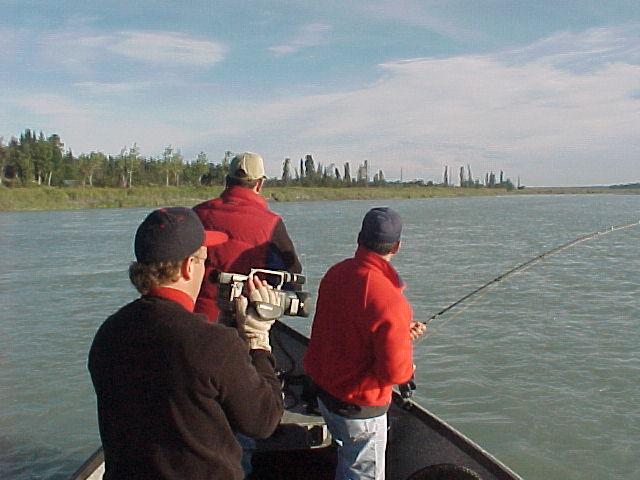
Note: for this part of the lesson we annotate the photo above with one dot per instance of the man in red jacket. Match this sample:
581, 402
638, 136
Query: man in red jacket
361, 346
257, 236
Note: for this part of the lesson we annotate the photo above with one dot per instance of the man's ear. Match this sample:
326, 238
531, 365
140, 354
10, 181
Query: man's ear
186, 269
259, 185
396, 247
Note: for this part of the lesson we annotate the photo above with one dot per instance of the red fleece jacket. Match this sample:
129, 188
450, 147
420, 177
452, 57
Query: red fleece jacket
360, 344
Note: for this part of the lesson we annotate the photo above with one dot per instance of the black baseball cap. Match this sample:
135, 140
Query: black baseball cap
381, 225
172, 234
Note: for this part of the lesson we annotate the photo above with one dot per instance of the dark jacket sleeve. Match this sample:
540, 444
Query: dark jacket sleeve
285, 249
250, 392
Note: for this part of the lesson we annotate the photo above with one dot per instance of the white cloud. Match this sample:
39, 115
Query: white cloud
83, 51
49, 105
102, 88
548, 124
86, 127
415, 12
309, 35
582, 51
563, 110
167, 48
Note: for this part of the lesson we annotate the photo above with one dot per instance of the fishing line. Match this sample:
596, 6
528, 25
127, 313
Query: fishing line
522, 267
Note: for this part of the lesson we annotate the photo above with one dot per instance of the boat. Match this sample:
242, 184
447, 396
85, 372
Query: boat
420, 445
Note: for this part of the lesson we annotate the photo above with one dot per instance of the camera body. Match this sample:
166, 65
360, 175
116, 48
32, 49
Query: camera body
230, 286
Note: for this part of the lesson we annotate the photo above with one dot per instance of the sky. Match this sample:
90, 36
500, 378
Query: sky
547, 91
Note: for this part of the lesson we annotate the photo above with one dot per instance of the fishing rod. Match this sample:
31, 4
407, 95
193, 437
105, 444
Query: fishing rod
529, 263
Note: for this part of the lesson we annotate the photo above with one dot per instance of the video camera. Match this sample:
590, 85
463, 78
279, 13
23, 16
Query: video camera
230, 286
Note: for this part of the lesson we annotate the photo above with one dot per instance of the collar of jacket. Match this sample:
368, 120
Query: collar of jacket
178, 296
238, 194
372, 259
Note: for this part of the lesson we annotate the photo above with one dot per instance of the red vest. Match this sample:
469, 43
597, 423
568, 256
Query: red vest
245, 217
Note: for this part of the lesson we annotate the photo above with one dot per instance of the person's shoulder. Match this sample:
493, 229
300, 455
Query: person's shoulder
344, 271
123, 312
205, 205
379, 283
115, 326
345, 265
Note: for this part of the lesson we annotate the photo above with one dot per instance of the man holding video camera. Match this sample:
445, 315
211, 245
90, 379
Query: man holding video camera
173, 388
361, 347
257, 236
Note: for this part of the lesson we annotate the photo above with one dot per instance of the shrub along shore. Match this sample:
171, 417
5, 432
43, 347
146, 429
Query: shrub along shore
66, 198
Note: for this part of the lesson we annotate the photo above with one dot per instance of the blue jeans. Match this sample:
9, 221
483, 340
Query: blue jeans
248, 445
361, 445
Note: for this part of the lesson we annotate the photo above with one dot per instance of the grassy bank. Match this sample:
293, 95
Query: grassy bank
54, 198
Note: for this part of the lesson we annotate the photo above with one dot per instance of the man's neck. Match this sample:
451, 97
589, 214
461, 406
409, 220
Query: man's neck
177, 295
386, 257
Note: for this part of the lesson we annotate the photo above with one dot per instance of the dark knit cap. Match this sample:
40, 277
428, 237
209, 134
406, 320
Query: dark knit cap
380, 225
172, 234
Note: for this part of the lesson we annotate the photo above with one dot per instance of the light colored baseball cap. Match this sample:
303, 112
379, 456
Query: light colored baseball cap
247, 165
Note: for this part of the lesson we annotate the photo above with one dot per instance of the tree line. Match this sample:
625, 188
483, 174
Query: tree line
37, 159
42, 160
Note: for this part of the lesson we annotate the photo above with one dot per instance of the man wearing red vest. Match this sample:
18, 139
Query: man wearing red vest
257, 236
361, 346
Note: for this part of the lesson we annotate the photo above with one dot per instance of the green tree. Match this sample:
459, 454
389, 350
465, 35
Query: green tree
378, 178
347, 173
363, 173
286, 170
58, 165
3, 159
173, 164
42, 155
195, 171
309, 169
89, 165
166, 162
19, 157
201, 166
508, 184
228, 155
218, 171
132, 163
121, 168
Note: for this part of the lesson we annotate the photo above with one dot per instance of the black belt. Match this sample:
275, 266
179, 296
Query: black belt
346, 409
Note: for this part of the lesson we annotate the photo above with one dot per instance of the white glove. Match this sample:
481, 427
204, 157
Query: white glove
254, 321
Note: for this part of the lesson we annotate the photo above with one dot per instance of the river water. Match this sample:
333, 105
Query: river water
542, 370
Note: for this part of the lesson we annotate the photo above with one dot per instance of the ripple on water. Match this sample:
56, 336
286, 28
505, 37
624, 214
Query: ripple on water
541, 370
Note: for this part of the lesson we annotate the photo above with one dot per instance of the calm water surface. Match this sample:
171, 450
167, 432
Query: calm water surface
542, 370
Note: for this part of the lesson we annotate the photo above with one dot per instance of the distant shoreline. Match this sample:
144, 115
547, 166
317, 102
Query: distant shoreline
63, 198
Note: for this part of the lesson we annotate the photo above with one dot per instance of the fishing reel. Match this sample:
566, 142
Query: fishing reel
406, 389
